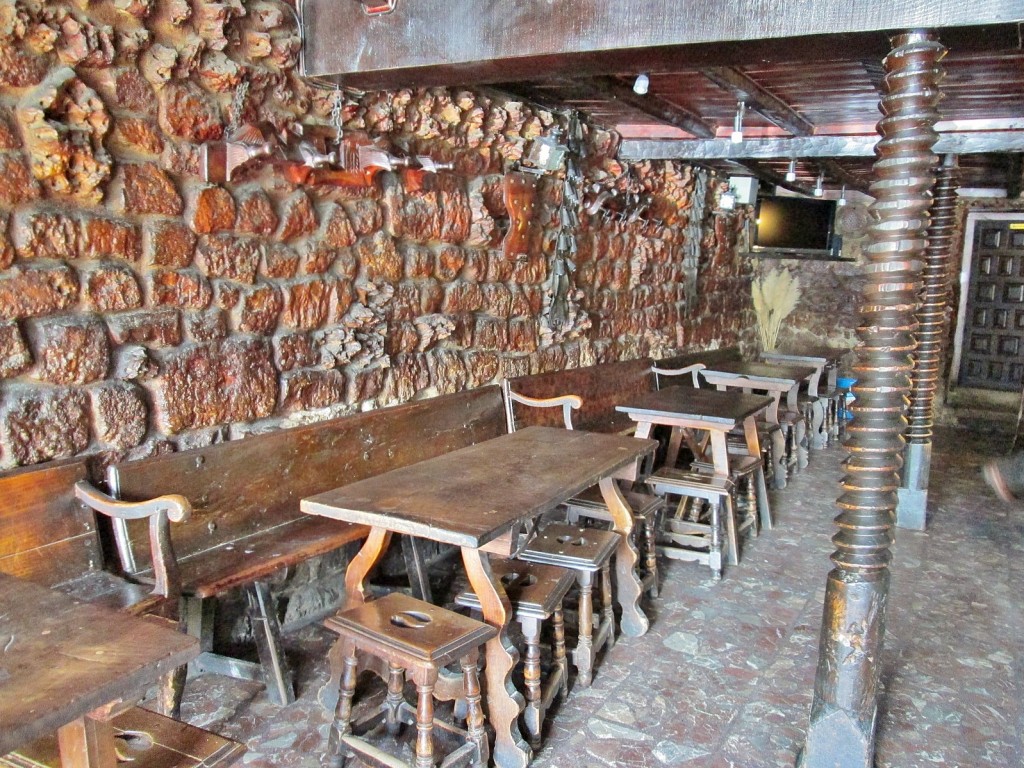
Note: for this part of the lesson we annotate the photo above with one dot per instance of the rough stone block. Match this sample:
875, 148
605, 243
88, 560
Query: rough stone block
147, 189
515, 365
184, 288
523, 334
402, 337
6, 246
105, 238
188, 113
450, 261
497, 300
15, 358
226, 295
256, 215
337, 230
407, 375
308, 304
490, 333
448, 370
482, 367
46, 235
294, 350
432, 295
112, 289
169, 243
150, 327
419, 261
44, 424
34, 292
499, 269
475, 270
70, 350
298, 218
208, 325
119, 415
261, 307
380, 258
9, 138
137, 134
19, 186
365, 216
230, 257
463, 297
366, 384
132, 362
212, 209
318, 258
345, 264
279, 261
304, 390
405, 304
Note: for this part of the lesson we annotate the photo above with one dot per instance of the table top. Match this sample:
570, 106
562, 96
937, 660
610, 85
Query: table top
824, 354
61, 658
474, 495
780, 372
710, 405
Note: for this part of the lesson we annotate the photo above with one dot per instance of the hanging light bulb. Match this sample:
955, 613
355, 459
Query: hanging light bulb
791, 171
641, 84
842, 196
819, 187
737, 123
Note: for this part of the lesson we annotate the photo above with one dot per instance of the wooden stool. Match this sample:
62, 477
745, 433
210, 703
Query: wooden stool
419, 639
699, 542
646, 508
586, 551
536, 593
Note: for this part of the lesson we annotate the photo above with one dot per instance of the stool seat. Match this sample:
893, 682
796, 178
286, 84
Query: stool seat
571, 546
411, 630
535, 590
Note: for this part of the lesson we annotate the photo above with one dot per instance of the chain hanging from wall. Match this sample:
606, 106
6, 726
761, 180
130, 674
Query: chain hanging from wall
694, 233
563, 263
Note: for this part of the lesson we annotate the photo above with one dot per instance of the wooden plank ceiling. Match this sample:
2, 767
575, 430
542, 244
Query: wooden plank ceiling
820, 85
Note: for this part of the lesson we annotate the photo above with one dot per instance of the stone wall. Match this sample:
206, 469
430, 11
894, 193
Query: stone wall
143, 310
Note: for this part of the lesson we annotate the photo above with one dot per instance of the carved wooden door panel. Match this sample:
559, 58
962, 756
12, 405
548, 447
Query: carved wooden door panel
993, 342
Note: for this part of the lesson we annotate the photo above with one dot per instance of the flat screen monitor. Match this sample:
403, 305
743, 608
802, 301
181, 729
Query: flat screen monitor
799, 225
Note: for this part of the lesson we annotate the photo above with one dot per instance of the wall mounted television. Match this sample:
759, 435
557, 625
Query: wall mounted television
795, 226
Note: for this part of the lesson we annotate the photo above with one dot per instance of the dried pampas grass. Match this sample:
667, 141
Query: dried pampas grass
775, 295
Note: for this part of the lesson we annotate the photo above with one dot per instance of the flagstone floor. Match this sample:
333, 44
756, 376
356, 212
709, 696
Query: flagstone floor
724, 678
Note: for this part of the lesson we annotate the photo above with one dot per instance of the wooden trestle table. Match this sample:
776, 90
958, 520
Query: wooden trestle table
63, 662
826, 361
776, 380
484, 499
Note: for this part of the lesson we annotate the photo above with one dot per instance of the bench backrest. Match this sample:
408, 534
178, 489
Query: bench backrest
248, 486
708, 358
46, 534
601, 386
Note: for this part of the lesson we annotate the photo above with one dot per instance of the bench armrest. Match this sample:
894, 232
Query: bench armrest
694, 371
568, 403
159, 511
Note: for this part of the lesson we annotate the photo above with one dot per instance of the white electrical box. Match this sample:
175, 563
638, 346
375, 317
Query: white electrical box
745, 189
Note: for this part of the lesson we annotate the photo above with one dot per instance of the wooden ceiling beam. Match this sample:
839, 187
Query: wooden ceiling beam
654, 106
808, 146
836, 171
766, 174
759, 99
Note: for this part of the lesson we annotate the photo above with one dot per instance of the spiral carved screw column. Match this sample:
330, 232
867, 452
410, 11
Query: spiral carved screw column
911, 509
841, 733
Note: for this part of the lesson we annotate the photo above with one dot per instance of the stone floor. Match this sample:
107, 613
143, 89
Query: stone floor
724, 677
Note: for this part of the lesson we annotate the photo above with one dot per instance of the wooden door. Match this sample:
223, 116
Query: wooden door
993, 336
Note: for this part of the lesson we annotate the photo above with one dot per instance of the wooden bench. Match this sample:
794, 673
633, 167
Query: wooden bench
48, 536
246, 524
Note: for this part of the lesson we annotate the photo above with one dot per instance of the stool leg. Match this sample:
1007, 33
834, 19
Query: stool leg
607, 607
731, 529
584, 655
651, 553
764, 510
533, 716
395, 698
337, 752
474, 711
715, 548
750, 508
425, 679
558, 646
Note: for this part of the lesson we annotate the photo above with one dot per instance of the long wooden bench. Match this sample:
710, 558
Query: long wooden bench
246, 525
48, 536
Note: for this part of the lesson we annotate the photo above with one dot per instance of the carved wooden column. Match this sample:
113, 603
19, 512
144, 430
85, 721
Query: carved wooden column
911, 509
841, 733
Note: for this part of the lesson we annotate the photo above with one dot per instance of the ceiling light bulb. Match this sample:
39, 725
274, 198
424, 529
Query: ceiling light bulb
819, 187
791, 171
842, 196
737, 123
641, 84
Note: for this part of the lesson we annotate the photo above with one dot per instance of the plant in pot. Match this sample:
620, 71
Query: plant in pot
775, 293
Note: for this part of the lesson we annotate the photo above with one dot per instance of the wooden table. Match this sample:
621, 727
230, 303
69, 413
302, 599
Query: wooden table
775, 380
483, 499
61, 660
826, 361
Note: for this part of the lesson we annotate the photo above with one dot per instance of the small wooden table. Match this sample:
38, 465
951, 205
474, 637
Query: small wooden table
775, 380
61, 660
826, 361
484, 499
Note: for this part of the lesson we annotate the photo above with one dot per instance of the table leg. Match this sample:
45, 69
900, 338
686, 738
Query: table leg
634, 623
86, 743
504, 702
819, 433
373, 548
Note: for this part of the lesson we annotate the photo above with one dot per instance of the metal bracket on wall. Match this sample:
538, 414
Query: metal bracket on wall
377, 8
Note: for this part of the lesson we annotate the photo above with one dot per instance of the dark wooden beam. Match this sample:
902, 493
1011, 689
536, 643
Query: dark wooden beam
1014, 175
767, 174
836, 171
461, 42
654, 106
809, 146
759, 99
